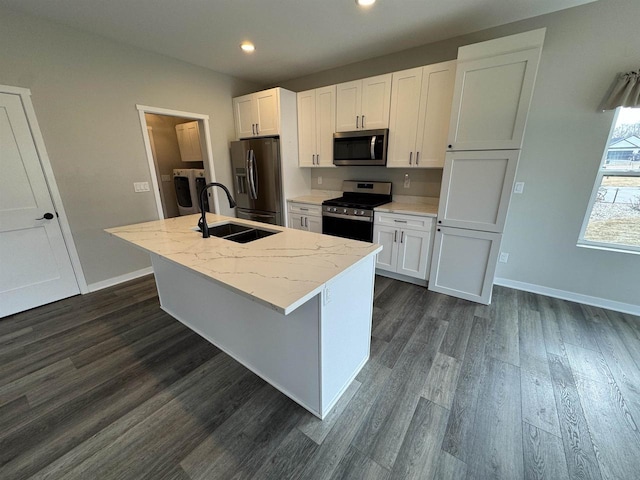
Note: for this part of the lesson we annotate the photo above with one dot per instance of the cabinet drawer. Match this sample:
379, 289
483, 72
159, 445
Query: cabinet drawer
414, 222
305, 209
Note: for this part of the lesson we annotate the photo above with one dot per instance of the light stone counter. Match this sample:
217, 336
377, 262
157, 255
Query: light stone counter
409, 208
282, 271
312, 199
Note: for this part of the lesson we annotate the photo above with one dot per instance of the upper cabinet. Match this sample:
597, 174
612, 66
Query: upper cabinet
316, 126
419, 118
493, 91
257, 114
189, 141
363, 104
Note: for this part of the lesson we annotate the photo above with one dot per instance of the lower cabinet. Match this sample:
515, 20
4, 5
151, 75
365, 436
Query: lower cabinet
306, 217
407, 241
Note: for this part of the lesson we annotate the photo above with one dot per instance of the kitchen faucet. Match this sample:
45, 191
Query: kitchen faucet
202, 223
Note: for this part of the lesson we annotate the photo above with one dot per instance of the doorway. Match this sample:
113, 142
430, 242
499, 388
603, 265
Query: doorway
178, 147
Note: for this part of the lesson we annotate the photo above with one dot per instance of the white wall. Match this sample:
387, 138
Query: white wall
585, 47
85, 90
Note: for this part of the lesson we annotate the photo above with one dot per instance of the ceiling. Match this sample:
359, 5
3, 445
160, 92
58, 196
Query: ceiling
293, 38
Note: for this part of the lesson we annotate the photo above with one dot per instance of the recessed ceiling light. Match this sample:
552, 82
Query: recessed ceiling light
247, 47
365, 3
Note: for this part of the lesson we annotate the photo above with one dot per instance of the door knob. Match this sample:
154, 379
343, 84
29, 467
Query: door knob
47, 216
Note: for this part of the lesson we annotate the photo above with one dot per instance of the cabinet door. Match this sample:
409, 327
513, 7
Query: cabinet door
387, 259
244, 113
267, 112
297, 221
464, 263
435, 111
193, 135
183, 141
325, 125
348, 105
314, 224
376, 98
491, 101
413, 253
307, 128
405, 106
476, 189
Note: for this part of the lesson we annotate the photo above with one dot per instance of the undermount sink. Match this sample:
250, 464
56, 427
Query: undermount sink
237, 232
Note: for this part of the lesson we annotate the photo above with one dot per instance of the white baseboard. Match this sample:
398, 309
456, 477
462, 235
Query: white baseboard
571, 296
110, 282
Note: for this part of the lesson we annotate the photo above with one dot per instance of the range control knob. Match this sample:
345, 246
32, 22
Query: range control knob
344, 210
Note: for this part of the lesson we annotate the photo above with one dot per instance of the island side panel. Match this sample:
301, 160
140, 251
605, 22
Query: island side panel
282, 349
346, 315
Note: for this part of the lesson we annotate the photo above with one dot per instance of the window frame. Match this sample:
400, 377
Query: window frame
582, 242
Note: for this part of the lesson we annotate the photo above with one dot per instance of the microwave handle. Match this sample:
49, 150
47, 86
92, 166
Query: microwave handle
373, 147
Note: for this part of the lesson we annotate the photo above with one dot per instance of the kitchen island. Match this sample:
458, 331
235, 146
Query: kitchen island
294, 307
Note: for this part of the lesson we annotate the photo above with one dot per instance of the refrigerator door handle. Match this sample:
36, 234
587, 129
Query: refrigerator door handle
248, 166
254, 175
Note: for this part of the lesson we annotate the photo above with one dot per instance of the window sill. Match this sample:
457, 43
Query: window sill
610, 247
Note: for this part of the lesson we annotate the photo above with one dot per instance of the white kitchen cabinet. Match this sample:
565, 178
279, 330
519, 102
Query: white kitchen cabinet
306, 217
464, 263
257, 114
491, 101
406, 241
476, 189
316, 126
419, 117
189, 141
363, 104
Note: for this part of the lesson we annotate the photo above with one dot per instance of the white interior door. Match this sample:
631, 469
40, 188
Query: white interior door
476, 189
464, 263
35, 264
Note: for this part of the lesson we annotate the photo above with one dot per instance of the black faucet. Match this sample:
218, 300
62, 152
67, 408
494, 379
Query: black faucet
202, 223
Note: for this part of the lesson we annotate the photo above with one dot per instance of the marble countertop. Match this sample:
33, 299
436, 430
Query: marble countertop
282, 271
312, 199
409, 208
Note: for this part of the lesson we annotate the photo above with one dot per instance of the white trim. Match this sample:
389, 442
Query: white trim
203, 122
45, 163
110, 282
571, 296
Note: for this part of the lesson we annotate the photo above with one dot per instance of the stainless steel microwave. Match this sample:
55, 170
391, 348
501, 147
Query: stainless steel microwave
363, 147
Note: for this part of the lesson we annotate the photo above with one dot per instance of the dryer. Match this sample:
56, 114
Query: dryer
184, 183
200, 181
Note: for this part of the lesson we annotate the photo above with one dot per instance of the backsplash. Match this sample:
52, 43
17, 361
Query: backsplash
423, 182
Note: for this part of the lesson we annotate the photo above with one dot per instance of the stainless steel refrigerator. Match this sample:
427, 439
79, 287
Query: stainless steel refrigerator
257, 179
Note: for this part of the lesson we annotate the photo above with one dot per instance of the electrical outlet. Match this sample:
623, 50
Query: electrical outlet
504, 257
319, 180
407, 181
519, 187
165, 178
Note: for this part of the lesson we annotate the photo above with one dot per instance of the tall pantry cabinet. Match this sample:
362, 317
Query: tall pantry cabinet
493, 90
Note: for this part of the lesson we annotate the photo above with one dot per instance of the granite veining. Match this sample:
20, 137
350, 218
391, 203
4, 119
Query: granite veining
282, 271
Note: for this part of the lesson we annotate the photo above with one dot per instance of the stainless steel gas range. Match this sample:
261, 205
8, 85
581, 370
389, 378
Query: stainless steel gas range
351, 216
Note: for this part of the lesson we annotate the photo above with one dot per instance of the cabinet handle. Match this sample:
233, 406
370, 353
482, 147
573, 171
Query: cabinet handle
438, 229
306, 222
401, 236
400, 221
357, 121
301, 221
417, 158
304, 209
257, 129
313, 159
253, 128
450, 146
362, 121
395, 236
317, 159
410, 157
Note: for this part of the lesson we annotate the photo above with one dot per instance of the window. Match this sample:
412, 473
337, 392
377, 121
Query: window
613, 216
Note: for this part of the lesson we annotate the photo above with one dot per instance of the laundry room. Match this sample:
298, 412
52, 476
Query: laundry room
178, 157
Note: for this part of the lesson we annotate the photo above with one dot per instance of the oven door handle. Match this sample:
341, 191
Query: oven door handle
373, 147
348, 217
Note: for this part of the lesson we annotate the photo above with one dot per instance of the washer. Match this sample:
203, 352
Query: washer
184, 183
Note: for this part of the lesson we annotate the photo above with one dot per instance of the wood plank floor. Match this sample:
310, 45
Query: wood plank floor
108, 386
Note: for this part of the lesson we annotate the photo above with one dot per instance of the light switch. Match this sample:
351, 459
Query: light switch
139, 187
519, 187
319, 180
504, 257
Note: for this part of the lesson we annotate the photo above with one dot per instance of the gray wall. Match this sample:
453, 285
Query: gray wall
85, 90
566, 136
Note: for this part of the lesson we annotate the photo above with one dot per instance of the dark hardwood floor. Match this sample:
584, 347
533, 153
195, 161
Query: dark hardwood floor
107, 386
